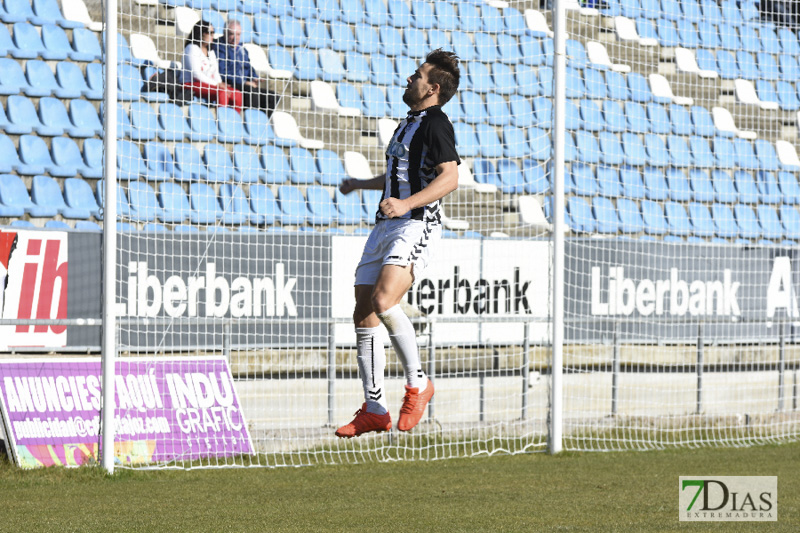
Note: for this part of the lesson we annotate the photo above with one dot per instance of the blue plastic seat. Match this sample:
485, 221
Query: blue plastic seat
681, 120
540, 144
446, 17
583, 180
293, 207
57, 44
376, 12
79, 196
23, 118
348, 208
595, 85
580, 213
485, 171
687, 33
497, 110
701, 153
724, 187
202, 124
330, 168
380, 70
28, 43
508, 49
790, 219
276, 165
342, 37
630, 216
790, 190
466, 139
677, 219
768, 190
331, 67
749, 228
606, 215
724, 151
189, 162
83, 116
727, 66
463, 45
614, 117
367, 39
86, 45
679, 188
488, 140
480, 79
174, 203
635, 151
788, 65
588, 147
632, 183
659, 120
528, 80
486, 47
144, 122
303, 166
15, 200
655, 183
35, 157
67, 156
771, 227
317, 35
291, 32
6, 42
748, 68
322, 210
787, 96
42, 81
259, 129
46, 194
702, 188
608, 183
72, 84
48, 11
520, 111
306, 64
657, 152
265, 29
746, 186
130, 165
161, 164
374, 101
129, 85
724, 221
54, 115
218, 162
746, 157
474, 107
205, 206
172, 124
535, 175
12, 78
263, 204
668, 35
767, 156
247, 167
230, 126
234, 206
611, 152
701, 220
591, 115
638, 121
511, 176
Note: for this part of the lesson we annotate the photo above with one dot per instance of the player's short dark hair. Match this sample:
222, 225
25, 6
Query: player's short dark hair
444, 72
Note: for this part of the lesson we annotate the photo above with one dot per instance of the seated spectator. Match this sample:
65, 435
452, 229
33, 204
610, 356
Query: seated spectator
235, 69
201, 70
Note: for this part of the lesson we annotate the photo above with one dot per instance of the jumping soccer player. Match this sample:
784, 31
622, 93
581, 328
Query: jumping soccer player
421, 169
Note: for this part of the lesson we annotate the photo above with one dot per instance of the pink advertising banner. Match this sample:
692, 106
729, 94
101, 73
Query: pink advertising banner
167, 410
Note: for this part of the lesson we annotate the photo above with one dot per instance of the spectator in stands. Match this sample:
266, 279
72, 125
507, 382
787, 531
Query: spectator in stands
236, 71
201, 70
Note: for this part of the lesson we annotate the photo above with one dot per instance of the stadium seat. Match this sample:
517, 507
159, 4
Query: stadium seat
488, 141
749, 228
28, 44
724, 221
189, 163
701, 220
258, 127
263, 204
583, 180
35, 157
306, 64
276, 165
485, 172
767, 185
79, 196
348, 208
202, 124
230, 126
303, 167
631, 179
12, 78
638, 121
724, 187
23, 118
367, 39
54, 115
218, 163
580, 214
46, 193
83, 116
14, 198
679, 188
322, 210
160, 163
72, 84
790, 190
630, 217
246, 165
701, 153
205, 206
606, 215
677, 219
293, 208
746, 186
790, 219
535, 175
144, 122
771, 227
511, 176
657, 152
655, 183
68, 158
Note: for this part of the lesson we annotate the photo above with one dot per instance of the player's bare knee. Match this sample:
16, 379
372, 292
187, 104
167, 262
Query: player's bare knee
381, 302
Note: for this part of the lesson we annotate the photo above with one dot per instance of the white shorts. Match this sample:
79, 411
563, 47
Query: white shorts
397, 241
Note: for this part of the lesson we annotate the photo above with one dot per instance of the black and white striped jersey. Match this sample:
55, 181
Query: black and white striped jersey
423, 140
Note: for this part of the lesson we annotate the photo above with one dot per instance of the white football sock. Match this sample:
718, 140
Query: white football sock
404, 341
371, 365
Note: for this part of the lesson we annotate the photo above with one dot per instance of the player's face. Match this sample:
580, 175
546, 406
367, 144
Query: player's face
418, 87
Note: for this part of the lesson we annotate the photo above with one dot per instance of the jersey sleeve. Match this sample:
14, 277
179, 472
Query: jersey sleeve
441, 142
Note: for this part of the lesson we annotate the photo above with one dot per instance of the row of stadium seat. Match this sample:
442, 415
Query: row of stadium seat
39, 12
467, 16
604, 216
53, 44
140, 202
727, 11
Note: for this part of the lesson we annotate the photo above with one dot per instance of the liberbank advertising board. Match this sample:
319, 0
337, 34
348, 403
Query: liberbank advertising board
201, 289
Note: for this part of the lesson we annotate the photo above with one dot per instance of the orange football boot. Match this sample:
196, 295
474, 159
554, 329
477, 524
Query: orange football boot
365, 422
414, 403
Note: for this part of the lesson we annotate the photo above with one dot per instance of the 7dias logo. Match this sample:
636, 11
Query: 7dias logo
728, 499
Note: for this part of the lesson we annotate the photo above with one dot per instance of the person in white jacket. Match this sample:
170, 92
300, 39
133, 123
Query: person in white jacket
201, 70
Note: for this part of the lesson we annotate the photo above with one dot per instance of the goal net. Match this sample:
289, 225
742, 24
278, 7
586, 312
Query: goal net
670, 125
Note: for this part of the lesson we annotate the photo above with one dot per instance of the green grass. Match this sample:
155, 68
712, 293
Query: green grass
621, 491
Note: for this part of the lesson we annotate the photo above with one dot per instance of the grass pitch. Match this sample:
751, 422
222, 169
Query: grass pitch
621, 491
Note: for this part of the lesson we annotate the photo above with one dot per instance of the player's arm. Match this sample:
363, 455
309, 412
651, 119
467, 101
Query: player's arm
445, 182
350, 184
